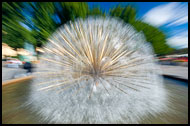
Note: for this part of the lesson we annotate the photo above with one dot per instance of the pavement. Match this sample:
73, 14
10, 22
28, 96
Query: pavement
12, 73
180, 72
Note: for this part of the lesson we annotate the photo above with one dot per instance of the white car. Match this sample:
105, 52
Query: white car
14, 63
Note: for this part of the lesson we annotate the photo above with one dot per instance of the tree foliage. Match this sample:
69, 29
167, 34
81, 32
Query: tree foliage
43, 18
153, 35
16, 34
96, 11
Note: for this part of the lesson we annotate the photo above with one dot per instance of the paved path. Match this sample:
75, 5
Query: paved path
176, 71
10, 73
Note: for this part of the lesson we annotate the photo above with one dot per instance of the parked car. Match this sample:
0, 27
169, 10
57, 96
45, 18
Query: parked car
14, 63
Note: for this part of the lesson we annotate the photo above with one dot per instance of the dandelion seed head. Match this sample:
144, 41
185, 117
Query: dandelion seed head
97, 70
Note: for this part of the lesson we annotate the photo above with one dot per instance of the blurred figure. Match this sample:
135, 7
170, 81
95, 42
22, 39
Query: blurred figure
28, 67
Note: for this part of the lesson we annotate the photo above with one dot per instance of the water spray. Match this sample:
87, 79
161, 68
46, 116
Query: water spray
97, 70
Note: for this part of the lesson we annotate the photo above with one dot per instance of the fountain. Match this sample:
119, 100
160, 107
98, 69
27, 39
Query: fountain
97, 70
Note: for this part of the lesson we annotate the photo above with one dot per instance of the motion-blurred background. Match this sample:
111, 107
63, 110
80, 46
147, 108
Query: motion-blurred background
26, 27
165, 24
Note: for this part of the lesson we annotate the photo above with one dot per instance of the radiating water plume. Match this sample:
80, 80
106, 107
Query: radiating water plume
97, 70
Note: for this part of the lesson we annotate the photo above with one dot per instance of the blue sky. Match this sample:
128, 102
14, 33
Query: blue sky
143, 7
170, 16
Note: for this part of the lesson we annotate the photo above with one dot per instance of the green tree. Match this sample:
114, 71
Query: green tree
16, 34
71, 10
128, 14
44, 17
116, 12
96, 11
153, 35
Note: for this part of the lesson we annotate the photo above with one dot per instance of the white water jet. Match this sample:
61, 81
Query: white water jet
97, 70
